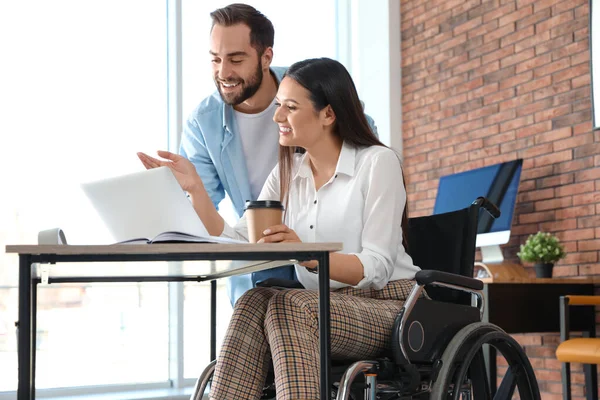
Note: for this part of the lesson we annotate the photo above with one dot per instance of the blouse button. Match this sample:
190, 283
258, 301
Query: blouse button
335, 176
311, 227
315, 202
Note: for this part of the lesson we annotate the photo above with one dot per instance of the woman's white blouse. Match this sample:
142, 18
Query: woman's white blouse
360, 206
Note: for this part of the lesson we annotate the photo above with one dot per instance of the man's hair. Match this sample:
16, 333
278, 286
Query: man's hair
262, 33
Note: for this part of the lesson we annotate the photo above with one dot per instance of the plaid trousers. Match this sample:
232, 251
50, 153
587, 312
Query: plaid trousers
281, 326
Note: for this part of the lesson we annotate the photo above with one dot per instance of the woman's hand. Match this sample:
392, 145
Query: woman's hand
182, 168
279, 234
283, 234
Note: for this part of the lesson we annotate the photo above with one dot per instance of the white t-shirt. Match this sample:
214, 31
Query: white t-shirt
360, 206
260, 140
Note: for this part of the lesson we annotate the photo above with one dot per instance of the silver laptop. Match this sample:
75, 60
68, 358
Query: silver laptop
143, 205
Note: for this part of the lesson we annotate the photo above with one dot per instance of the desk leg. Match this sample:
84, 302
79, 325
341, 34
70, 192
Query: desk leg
324, 327
213, 320
25, 334
34, 288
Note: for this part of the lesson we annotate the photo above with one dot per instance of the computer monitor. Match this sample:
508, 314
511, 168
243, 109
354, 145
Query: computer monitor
499, 183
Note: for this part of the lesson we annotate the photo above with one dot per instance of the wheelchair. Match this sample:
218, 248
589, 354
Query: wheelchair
438, 340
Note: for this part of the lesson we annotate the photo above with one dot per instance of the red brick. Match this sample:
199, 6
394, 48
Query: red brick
553, 135
583, 80
575, 71
485, 70
581, 257
499, 33
535, 129
551, 113
576, 188
588, 245
517, 58
516, 123
467, 26
498, 54
515, 102
483, 90
534, 85
484, 132
570, 50
484, 152
575, 212
552, 67
552, 90
553, 204
469, 166
553, 44
499, 96
534, 18
499, 117
420, 130
437, 135
483, 29
498, 139
483, 111
469, 146
556, 180
588, 150
519, 36
568, 28
574, 165
536, 195
454, 139
577, 234
554, 21
532, 151
588, 174
499, 12
540, 172
573, 142
557, 226
553, 158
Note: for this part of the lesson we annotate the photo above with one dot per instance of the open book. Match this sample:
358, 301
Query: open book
180, 237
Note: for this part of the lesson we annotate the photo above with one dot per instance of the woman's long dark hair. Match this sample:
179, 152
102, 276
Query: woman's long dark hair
329, 83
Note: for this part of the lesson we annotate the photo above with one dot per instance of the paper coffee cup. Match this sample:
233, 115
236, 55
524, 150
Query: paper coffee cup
261, 215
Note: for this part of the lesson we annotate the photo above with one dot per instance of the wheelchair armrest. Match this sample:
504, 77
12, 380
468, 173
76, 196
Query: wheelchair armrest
280, 283
426, 277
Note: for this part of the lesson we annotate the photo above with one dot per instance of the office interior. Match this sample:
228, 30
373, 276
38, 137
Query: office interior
453, 85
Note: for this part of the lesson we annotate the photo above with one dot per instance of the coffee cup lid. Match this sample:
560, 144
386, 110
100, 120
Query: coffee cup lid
263, 204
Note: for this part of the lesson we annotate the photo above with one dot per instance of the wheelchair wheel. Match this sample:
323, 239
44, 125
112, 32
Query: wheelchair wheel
203, 382
463, 373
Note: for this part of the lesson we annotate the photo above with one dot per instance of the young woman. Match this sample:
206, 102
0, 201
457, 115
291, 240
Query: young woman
339, 184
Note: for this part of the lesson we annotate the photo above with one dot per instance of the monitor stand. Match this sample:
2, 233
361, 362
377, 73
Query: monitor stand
498, 270
491, 254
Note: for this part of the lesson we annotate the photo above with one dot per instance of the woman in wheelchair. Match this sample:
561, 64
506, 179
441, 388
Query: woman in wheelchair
339, 183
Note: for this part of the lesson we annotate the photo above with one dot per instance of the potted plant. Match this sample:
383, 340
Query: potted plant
543, 249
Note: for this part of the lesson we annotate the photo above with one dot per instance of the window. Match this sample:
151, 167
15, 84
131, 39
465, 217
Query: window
83, 89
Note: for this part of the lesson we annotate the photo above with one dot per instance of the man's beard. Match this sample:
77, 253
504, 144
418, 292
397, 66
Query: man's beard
249, 87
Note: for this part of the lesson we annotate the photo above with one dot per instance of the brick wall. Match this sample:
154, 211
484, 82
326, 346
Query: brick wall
487, 81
